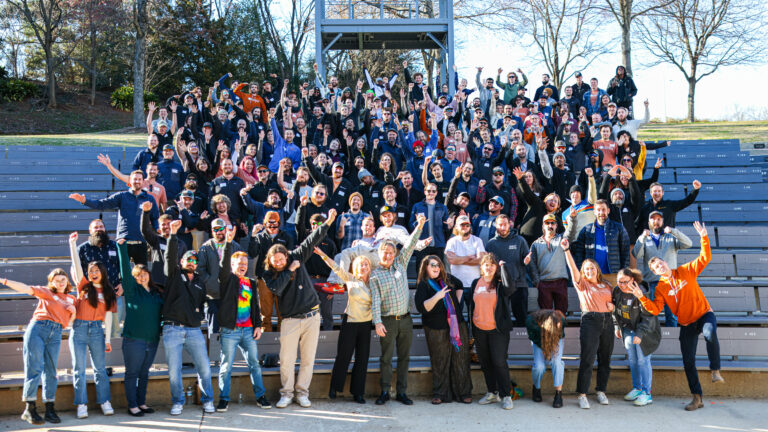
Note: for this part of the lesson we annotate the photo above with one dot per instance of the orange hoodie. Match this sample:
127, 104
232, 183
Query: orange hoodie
251, 101
681, 291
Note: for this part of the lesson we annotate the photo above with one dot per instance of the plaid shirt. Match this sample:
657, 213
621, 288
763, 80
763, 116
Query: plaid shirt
389, 287
353, 230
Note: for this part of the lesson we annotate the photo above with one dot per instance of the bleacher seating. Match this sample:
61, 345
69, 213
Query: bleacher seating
36, 216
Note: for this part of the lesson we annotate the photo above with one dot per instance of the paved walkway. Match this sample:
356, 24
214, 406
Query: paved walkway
666, 414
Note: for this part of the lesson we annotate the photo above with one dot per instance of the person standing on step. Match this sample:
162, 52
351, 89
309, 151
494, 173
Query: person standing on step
55, 311
546, 330
208, 269
680, 290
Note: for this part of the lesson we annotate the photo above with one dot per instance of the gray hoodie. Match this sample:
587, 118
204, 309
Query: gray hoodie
548, 260
669, 244
511, 249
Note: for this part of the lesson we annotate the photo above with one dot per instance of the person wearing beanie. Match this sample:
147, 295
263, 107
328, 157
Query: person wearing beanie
350, 223
580, 213
370, 191
624, 207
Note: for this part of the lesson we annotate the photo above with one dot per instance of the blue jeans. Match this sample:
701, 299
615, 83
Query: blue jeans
89, 336
118, 318
230, 340
176, 339
639, 364
138, 355
41, 352
555, 362
670, 320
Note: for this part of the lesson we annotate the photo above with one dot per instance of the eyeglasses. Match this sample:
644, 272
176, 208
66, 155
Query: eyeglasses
498, 174
623, 282
263, 171
550, 223
434, 264
219, 229
192, 261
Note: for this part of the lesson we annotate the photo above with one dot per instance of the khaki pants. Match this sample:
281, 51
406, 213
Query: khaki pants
267, 301
301, 334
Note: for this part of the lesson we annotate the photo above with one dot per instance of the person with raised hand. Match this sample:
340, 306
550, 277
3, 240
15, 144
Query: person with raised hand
141, 332
55, 311
680, 290
287, 277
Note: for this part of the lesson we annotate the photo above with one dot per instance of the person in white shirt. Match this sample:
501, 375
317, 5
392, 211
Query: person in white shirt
463, 251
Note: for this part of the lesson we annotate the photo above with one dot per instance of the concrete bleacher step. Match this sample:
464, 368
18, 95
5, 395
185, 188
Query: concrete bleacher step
35, 222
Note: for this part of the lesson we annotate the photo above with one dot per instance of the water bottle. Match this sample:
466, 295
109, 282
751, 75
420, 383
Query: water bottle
188, 395
240, 398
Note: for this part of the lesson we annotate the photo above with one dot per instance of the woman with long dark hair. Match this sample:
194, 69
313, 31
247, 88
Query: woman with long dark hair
438, 298
546, 330
141, 331
356, 326
95, 304
55, 311
490, 313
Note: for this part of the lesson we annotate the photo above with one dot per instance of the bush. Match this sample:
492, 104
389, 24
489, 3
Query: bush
122, 98
13, 90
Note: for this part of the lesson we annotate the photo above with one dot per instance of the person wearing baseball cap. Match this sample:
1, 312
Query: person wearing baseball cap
485, 223
337, 187
509, 246
170, 173
463, 251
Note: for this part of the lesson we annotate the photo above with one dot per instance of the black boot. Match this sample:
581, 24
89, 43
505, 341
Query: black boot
558, 402
536, 394
50, 413
31, 416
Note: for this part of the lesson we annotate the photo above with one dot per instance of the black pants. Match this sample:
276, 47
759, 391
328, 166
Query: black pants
519, 303
212, 315
689, 339
354, 338
450, 368
492, 349
596, 338
138, 253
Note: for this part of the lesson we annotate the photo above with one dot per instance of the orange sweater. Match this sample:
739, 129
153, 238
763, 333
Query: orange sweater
681, 291
251, 101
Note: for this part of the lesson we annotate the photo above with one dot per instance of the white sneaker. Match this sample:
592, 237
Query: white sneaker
284, 401
583, 402
209, 408
643, 400
633, 394
506, 403
602, 398
82, 411
303, 401
176, 409
489, 398
107, 409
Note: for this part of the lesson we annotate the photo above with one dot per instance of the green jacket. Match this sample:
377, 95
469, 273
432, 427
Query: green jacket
510, 90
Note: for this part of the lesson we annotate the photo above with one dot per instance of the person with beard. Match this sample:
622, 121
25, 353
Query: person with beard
464, 186
419, 86
536, 208
499, 188
436, 169
484, 224
182, 211
408, 195
624, 209
668, 208
562, 176
484, 162
208, 269
349, 227
370, 191
149, 154
220, 209
663, 243
338, 187
100, 248
170, 173
511, 248
520, 157
150, 184
229, 185
622, 88
258, 210
554, 94
401, 211
548, 267
128, 204
579, 214
284, 146
157, 240
463, 252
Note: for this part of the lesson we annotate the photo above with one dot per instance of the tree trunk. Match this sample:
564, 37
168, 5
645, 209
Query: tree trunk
139, 61
626, 47
691, 99
93, 64
50, 78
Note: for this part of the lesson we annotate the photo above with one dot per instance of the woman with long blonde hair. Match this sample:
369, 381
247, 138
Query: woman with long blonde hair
546, 330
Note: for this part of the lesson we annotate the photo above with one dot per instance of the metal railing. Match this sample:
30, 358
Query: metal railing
381, 9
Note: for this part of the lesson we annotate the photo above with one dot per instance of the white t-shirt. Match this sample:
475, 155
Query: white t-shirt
465, 273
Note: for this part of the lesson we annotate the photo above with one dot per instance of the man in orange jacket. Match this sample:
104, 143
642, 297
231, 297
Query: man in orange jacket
679, 290
251, 99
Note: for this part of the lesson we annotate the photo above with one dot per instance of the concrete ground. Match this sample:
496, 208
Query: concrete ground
666, 414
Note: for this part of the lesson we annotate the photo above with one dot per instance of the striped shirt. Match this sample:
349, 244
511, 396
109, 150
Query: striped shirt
389, 286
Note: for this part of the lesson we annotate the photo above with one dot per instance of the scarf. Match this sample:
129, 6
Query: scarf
453, 321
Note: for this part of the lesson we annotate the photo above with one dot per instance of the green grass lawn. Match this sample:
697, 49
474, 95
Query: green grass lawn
89, 139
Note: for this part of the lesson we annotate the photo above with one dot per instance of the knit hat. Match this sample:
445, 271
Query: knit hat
354, 194
362, 174
615, 190
418, 143
558, 154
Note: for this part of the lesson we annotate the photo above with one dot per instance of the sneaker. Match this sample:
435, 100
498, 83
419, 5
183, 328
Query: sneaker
263, 403
208, 407
716, 377
633, 394
284, 401
583, 402
506, 403
303, 401
106, 408
176, 409
602, 398
643, 400
82, 411
489, 398
222, 406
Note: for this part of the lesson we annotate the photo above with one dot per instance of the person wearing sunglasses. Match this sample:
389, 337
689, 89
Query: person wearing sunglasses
208, 269
548, 268
184, 300
437, 222
337, 187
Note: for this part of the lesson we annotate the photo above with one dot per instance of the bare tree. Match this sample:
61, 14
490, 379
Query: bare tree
12, 39
47, 19
288, 37
626, 11
565, 32
140, 26
701, 36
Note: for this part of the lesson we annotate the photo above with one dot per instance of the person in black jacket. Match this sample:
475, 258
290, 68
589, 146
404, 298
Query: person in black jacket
622, 88
337, 187
157, 241
640, 332
490, 316
239, 322
184, 297
668, 208
286, 276
510, 247
625, 203
438, 297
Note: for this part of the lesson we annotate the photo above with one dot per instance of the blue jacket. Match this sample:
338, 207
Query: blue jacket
129, 212
283, 149
146, 156
449, 167
438, 222
171, 176
616, 240
587, 99
415, 165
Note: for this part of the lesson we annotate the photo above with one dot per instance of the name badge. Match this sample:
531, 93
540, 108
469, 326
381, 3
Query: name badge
375, 195
163, 246
486, 165
341, 193
421, 167
223, 185
101, 297
175, 171
397, 274
112, 253
349, 222
401, 215
512, 247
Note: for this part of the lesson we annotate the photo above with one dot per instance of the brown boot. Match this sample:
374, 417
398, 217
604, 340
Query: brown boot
716, 377
695, 404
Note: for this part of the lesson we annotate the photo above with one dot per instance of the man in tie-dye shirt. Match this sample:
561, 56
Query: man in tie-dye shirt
240, 322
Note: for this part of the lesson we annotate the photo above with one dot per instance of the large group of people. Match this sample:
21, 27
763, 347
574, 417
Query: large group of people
307, 192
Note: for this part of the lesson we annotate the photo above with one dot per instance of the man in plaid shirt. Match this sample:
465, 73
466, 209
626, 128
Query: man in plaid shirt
389, 302
350, 225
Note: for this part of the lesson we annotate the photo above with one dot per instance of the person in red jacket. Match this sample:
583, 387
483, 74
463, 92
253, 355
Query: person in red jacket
679, 290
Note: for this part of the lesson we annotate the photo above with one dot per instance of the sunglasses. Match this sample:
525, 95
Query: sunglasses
320, 193
430, 191
627, 160
219, 229
550, 223
317, 224
263, 171
498, 174
465, 225
192, 260
433, 264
